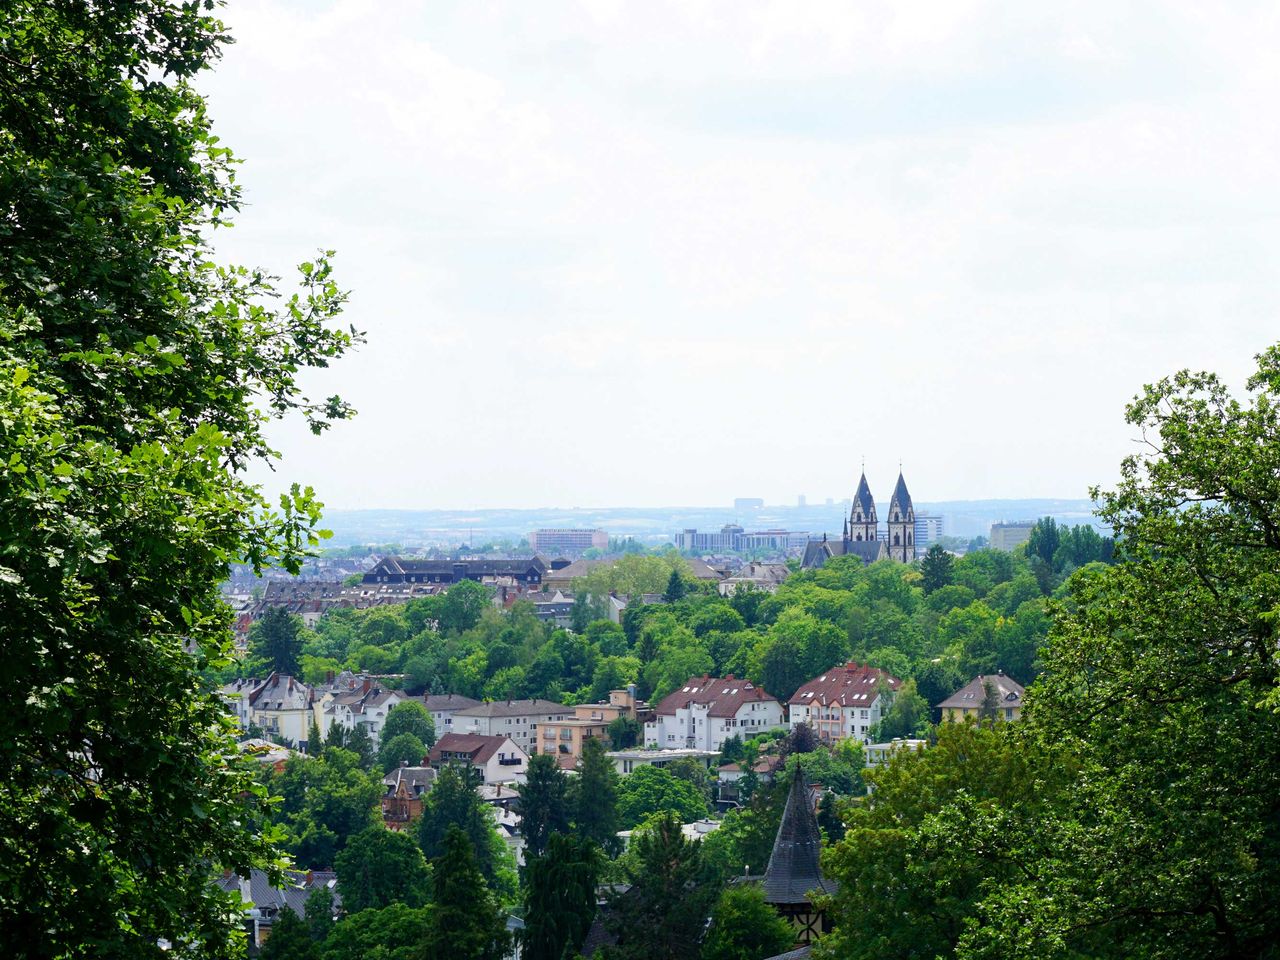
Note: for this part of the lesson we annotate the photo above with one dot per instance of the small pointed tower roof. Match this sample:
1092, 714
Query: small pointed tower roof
794, 871
901, 497
863, 497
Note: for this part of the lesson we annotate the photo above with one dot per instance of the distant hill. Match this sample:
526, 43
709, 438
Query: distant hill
963, 518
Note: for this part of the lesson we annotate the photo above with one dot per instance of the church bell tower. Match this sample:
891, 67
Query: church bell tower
862, 516
902, 524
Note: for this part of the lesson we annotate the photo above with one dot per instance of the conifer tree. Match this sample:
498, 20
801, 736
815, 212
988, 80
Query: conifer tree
594, 798
466, 921
559, 897
544, 804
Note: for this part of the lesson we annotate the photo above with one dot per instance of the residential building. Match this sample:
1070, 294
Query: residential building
561, 542
628, 761
404, 790
525, 570
968, 702
760, 576
494, 759
236, 696
732, 538
267, 753
281, 708
845, 701
878, 754
1010, 536
264, 902
517, 719
861, 536
708, 710
443, 706
350, 700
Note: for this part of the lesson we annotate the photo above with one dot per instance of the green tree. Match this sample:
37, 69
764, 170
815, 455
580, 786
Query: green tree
453, 802
325, 800
1161, 681
662, 915
651, 790
274, 637
461, 607
935, 569
675, 587
559, 898
380, 867
314, 742
593, 798
907, 716
404, 748
544, 803
137, 380
466, 923
358, 741
744, 927
319, 913
396, 932
624, 732
290, 939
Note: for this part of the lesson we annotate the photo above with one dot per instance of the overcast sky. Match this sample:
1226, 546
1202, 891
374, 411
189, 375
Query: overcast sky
646, 253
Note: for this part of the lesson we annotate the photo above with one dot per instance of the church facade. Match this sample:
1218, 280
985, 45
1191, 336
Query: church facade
861, 530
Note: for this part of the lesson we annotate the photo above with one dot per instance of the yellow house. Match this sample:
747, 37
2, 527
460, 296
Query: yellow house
1005, 699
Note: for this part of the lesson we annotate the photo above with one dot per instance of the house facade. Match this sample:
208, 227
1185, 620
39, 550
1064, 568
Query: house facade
845, 701
969, 701
443, 706
517, 719
403, 791
282, 707
708, 710
495, 759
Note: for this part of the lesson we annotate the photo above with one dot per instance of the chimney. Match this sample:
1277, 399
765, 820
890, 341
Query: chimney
366, 685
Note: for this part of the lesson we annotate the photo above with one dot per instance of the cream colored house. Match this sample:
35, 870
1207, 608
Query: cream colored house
968, 700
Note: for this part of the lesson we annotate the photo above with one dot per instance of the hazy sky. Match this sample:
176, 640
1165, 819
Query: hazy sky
648, 253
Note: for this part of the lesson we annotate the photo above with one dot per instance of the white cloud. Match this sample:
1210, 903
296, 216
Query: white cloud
629, 253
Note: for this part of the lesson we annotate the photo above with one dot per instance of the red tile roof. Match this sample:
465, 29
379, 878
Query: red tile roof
850, 685
724, 695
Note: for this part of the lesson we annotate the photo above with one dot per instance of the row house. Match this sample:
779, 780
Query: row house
494, 759
443, 707
517, 719
708, 710
846, 701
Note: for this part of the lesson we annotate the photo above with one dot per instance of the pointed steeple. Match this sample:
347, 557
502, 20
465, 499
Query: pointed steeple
794, 871
863, 497
901, 497
902, 523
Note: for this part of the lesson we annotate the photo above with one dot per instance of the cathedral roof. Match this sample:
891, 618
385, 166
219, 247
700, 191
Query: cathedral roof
863, 497
900, 494
793, 871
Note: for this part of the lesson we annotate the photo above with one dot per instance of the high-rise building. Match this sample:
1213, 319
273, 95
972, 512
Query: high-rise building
929, 530
1010, 536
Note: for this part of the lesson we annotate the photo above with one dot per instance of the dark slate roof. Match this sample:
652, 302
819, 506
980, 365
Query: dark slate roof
972, 694
863, 498
801, 954
517, 708
900, 495
437, 702
818, 552
793, 870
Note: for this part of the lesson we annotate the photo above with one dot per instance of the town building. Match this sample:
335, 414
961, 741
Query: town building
281, 708
732, 538
929, 530
558, 542
563, 577
404, 791
845, 701
971, 700
760, 576
517, 719
878, 754
629, 761
523, 570
443, 706
264, 902
861, 536
708, 710
493, 759
366, 704
1010, 536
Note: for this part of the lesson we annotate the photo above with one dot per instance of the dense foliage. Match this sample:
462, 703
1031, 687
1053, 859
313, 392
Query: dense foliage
136, 379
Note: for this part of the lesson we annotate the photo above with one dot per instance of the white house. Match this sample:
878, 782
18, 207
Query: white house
497, 759
443, 706
846, 701
708, 710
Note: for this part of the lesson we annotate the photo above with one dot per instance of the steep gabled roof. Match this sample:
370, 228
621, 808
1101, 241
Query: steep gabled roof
849, 685
864, 499
794, 871
723, 697
476, 747
900, 495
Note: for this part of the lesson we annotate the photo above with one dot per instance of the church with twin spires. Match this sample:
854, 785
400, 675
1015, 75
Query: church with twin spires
861, 530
